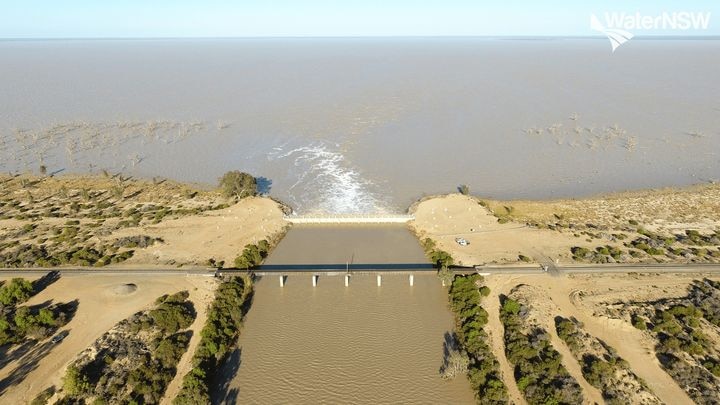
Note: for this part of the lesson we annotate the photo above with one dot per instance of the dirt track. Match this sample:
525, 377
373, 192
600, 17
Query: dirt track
583, 297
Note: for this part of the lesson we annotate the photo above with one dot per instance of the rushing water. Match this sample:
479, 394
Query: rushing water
363, 125
361, 344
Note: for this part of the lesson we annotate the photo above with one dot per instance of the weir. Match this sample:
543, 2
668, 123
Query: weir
349, 219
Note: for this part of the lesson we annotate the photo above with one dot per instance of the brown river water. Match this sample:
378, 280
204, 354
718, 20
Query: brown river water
361, 344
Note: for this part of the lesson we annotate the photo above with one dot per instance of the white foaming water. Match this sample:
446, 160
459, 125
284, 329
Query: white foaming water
325, 182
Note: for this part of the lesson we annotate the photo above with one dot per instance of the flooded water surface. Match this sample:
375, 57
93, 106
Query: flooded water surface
369, 125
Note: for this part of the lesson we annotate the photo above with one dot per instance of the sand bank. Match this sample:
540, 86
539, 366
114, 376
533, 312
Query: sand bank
502, 231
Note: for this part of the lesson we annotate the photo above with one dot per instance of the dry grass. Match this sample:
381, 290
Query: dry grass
58, 216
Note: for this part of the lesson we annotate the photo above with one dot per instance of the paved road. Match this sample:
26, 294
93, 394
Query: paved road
380, 268
603, 268
89, 271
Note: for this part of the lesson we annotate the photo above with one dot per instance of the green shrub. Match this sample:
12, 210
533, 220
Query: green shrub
539, 372
252, 255
439, 258
173, 313
579, 253
238, 184
15, 292
470, 318
75, 383
639, 323
218, 336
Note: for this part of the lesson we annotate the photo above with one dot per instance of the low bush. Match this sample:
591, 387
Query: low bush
539, 373
252, 255
219, 335
17, 291
134, 362
482, 368
438, 257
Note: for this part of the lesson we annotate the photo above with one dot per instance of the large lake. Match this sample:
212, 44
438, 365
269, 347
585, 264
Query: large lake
366, 125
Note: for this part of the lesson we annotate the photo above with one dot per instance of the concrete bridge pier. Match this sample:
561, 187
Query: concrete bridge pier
379, 280
315, 280
347, 280
282, 281
411, 279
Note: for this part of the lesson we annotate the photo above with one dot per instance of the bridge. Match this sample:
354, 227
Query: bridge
687, 268
349, 219
283, 271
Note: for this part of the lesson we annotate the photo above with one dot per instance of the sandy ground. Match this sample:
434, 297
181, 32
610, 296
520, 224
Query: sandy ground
190, 221
584, 297
220, 234
99, 310
668, 209
557, 226
448, 217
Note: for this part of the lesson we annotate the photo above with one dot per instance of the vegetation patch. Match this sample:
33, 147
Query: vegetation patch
601, 254
238, 184
21, 323
219, 336
252, 255
138, 241
602, 367
32, 255
473, 353
539, 373
93, 208
134, 362
686, 330
437, 256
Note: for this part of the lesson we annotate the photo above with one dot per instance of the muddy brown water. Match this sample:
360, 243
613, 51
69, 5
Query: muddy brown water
369, 124
361, 344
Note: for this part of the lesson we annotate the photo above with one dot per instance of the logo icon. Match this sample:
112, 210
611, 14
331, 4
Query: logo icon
617, 37
617, 26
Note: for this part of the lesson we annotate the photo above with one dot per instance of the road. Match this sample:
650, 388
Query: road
90, 271
379, 268
601, 268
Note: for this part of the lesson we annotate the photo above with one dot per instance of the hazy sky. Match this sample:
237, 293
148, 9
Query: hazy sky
250, 18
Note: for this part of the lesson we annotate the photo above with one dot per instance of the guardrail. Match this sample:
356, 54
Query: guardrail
349, 219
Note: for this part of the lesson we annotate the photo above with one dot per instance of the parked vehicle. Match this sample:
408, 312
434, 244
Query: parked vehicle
462, 241
59, 337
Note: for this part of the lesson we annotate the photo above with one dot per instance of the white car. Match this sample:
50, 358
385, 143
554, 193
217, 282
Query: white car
462, 241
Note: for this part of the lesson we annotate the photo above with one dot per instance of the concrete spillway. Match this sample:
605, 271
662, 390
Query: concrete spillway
349, 219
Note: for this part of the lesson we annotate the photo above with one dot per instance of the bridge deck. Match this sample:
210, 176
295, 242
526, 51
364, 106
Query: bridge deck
355, 267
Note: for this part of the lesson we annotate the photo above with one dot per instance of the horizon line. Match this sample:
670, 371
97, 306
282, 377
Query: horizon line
535, 37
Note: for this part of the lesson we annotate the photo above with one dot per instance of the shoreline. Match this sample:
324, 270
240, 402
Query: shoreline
523, 231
